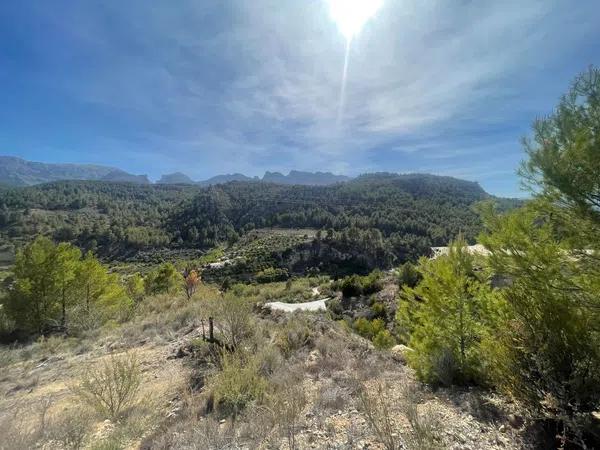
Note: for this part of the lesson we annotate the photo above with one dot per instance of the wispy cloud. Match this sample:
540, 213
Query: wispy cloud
439, 86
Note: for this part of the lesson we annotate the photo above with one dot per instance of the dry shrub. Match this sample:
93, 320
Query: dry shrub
377, 405
286, 403
71, 428
425, 427
332, 397
111, 387
24, 429
293, 336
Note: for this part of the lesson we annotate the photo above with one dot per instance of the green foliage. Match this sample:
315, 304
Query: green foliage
448, 316
368, 328
163, 279
376, 218
564, 161
134, 285
52, 283
548, 354
408, 275
384, 340
547, 351
270, 275
238, 383
356, 285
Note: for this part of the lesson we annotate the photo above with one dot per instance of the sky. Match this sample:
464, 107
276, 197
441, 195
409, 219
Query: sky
448, 87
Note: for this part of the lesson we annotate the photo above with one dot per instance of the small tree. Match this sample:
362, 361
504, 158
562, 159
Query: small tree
134, 285
448, 315
191, 281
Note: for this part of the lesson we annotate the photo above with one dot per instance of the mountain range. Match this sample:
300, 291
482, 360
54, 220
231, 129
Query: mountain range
19, 172
16, 171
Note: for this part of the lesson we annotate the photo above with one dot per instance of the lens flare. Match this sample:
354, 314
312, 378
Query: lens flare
351, 15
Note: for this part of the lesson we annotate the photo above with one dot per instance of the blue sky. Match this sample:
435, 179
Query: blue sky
221, 86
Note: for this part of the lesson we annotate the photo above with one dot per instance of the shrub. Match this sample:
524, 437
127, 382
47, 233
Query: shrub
292, 336
384, 340
408, 275
271, 275
111, 387
368, 328
238, 383
376, 405
286, 402
233, 318
356, 285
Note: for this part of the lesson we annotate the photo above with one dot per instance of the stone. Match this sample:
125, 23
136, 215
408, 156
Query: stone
400, 353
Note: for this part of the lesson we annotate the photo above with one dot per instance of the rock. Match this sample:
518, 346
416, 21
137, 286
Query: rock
502, 429
400, 353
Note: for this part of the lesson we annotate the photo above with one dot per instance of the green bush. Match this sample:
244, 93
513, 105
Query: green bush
546, 353
271, 275
356, 285
368, 328
384, 340
56, 288
238, 384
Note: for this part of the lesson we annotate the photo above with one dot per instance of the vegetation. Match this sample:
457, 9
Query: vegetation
112, 387
448, 316
377, 218
548, 350
535, 337
521, 319
54, 288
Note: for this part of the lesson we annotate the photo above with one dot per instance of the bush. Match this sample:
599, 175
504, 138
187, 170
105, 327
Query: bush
112, 386
408, 275
286, 403
368, 328
238, 383
233, 318
377, 404
384, 340
271, 275
294, 335
356, 285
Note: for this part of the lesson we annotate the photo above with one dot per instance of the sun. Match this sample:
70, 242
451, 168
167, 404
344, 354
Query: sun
351, 15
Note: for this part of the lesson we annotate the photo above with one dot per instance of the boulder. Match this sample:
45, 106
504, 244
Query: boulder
400, 353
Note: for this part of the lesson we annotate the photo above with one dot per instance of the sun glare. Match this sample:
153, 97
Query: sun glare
351, 15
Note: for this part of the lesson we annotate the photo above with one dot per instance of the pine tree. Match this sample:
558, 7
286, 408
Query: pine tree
447, 316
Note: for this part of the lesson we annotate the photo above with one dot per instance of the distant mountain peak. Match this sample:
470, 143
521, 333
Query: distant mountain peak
175, 178
304, 178
16, 171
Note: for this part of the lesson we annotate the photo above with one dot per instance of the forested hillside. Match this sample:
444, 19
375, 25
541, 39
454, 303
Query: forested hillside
409, 213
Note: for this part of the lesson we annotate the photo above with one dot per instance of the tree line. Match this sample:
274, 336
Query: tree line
411, 212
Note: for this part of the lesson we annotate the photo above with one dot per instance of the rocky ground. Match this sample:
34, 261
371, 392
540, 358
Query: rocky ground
345, 383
